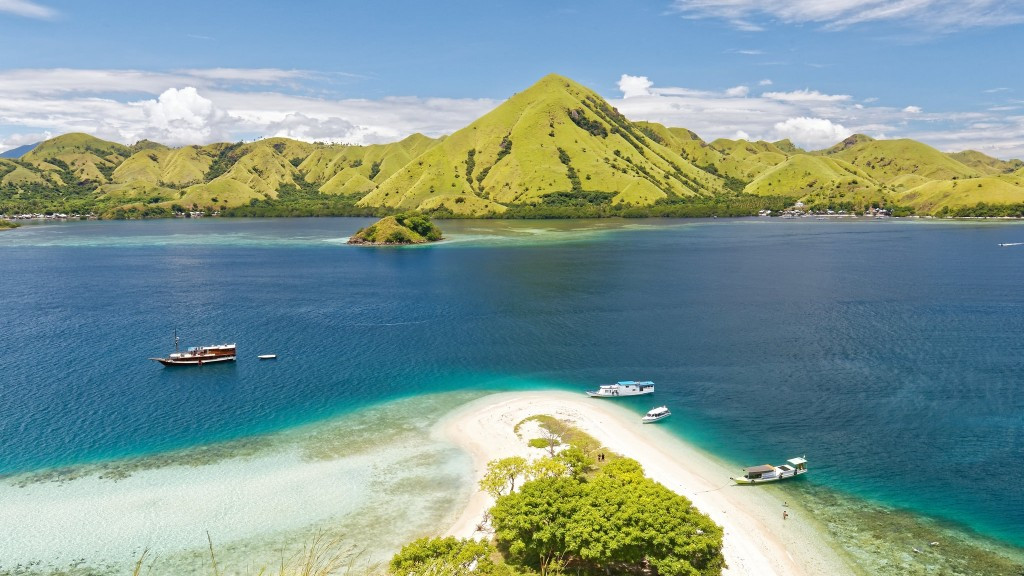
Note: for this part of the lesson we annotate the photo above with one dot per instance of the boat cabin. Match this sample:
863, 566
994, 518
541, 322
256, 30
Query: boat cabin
762, 472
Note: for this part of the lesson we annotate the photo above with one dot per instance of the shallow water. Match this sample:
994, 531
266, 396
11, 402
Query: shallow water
888, 352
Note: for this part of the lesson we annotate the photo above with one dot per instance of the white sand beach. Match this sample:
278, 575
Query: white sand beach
757, 538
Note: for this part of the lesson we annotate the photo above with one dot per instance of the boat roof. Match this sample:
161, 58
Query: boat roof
761, 468
629, 382
658, 409
797, 461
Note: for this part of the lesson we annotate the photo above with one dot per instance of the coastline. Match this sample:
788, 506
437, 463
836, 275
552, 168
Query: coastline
757, 539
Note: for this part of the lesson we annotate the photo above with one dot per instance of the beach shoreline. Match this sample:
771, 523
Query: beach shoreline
757, 539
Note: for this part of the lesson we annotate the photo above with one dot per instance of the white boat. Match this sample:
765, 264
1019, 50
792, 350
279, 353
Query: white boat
768, 473
624, 388
267, 356
655, 414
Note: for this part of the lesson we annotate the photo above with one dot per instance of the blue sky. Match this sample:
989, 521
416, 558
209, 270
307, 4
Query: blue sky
944, 72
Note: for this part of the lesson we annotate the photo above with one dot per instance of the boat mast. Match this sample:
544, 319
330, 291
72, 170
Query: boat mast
175, 339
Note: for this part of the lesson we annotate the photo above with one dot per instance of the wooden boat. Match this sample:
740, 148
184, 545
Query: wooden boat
623, 388
768, 473
655, 414
198, 355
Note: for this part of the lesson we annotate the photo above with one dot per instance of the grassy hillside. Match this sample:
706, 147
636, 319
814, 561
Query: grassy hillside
554, 143
556, 149
821, 183
886, 160
985, 163
941, 196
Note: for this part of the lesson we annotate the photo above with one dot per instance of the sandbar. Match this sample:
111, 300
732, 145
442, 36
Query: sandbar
758, 540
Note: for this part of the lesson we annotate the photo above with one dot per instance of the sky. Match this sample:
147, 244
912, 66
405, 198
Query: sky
949, 73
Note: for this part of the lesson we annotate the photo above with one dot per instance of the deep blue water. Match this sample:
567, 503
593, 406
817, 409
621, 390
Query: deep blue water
891, 353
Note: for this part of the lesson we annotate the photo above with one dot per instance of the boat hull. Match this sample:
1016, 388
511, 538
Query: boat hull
743, 480
623, 388
594, 394
653, 419
194, 361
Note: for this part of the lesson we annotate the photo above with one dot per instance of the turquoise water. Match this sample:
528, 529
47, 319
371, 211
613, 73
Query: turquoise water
889, 352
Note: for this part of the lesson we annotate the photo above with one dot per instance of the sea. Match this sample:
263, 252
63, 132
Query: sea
888, 352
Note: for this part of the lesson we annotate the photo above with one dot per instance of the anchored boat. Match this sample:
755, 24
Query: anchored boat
655, 414
768, 473
198, 355
624, 388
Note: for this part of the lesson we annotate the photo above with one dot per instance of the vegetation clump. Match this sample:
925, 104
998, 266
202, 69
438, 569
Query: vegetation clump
405, 228
7, 224
569, 513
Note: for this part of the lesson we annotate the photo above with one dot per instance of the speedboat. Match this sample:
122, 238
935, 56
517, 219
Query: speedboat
623, 388
768, 473
655, 414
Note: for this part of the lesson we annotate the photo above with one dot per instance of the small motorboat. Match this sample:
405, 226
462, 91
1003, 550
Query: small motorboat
655, 414
268, 356
768, 473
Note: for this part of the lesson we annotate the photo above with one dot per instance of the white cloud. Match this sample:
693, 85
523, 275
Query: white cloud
805, 96
811, 133
182, 117
27, 9
814, 120
206, 105
930, 14
741, 135
633, 86
912, 109
765, 82
298, 126
14, 140
737, 91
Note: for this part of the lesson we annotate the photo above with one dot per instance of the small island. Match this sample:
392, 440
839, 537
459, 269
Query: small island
8, 224
406, 228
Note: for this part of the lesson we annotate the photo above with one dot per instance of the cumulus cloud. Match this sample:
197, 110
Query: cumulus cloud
811, 133
815, 120
737, 91
27, 9
930, 14
633, 86
912, 109
182, 117
765, 82
200, 106
14, 140
298, 126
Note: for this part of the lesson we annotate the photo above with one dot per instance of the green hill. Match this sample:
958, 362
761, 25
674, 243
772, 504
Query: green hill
936, 196
556, 149
554, 143
407, 228
886, 160
985, 163
821, 183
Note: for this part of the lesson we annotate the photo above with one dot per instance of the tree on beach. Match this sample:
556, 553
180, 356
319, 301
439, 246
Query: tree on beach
616, 520
502, 474
448, 556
